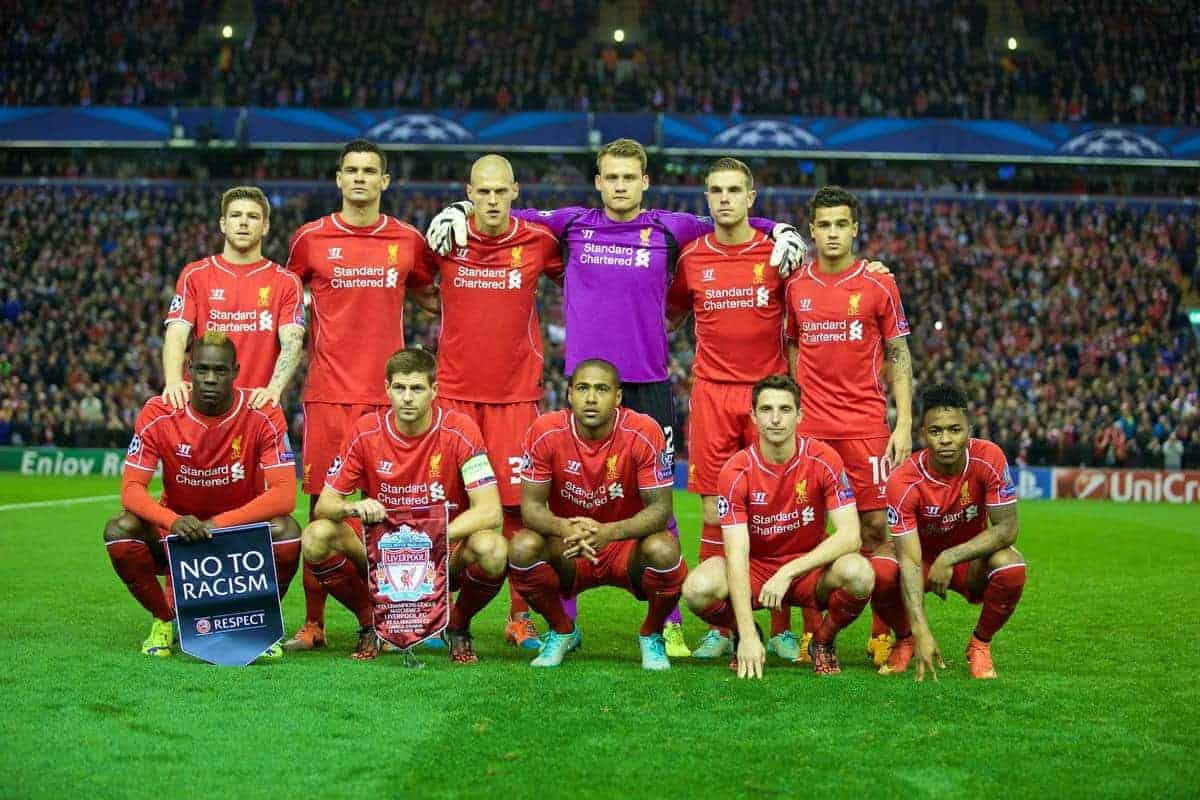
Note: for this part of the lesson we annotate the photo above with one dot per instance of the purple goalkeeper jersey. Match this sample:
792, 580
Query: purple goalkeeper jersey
615, 289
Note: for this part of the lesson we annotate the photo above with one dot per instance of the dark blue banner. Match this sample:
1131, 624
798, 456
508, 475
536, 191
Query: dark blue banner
935, 137
226, 594
564, 131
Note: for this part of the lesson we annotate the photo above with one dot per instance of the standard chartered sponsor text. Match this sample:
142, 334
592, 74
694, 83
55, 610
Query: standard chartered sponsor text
365, 277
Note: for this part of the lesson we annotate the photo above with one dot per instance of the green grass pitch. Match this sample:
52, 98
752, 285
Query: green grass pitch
1097, 696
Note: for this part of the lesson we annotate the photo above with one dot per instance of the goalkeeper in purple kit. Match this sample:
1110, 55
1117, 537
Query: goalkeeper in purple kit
619, 262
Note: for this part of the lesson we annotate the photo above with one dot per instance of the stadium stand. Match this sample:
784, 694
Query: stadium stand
1064, 319
710, 56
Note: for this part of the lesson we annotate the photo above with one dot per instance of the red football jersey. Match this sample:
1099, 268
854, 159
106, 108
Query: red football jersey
356, 279
490, 349
248, 302
603, 479
407, 472
841, 323
738, 301
210, 464
783, 505
947, 510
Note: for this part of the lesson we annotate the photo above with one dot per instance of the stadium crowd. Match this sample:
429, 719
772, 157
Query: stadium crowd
1100, 62
1065, 321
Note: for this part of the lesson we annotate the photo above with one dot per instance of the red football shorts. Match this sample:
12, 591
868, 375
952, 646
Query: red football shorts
719, 425
612, 569
803, 591
958, 578
866, 468
325, 427
503, 426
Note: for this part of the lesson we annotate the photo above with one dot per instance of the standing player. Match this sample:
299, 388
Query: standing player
356, 264
774, 498
619, 262
941, 537
224, 463
490, 351
253, 300
596, 494
412, 455
738, 299
843, 321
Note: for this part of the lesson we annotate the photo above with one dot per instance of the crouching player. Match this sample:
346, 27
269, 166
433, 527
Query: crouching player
596, 496
941, 537
224, 463
411, 456
773, 498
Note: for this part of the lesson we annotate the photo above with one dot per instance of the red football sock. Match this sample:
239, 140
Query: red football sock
812, 619
135, 565
879, 626
719, 615
886, 601
844, 608
516, 603
314, 597
1000, 598
339, 577
478, 589
781, 620
287, 559
541, 588
662, 588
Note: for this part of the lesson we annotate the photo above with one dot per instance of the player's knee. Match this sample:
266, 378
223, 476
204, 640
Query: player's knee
1008, 557
660, 551
702, 588
284, 529
318, 539
855, 574
526, 548
124, 526
490, 551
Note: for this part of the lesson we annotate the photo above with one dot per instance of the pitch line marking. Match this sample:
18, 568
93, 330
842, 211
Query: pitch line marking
67, 501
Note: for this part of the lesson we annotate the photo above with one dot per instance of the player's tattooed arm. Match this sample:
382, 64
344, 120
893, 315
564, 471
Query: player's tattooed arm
659, 505
536, 513
912, 578
1001, 533
899, 363
927, 654
291, 350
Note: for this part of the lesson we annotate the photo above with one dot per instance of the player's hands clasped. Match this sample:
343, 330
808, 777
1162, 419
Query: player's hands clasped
927, 654
584, 538
191, 529
368, 510
940, 573
751, 656
790, 251
263, 395
774, 590
177, 394
448, 229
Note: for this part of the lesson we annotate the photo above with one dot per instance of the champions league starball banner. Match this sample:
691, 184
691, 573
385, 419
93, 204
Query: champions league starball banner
226, 594
567, 131
408, 558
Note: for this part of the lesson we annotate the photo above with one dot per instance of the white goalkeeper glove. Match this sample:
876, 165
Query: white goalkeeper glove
449, 227
789, 251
